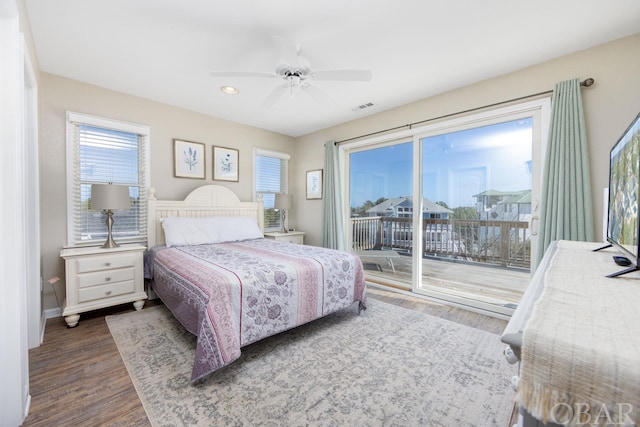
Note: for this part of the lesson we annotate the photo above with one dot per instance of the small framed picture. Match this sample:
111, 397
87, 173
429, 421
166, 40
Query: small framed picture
225, 164
314, 184
189, 159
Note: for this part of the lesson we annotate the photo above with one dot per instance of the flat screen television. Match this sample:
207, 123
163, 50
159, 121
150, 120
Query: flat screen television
623, 226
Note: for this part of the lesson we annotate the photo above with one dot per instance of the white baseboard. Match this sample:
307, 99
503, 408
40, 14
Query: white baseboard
27, 405
43, 324
52, 312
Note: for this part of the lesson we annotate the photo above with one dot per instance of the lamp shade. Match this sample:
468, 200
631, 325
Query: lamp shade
283, 201
109, 197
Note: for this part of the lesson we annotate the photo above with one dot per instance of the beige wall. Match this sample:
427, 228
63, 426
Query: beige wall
609, 106
58, 95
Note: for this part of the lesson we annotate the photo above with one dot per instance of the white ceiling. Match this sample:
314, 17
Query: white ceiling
164, 50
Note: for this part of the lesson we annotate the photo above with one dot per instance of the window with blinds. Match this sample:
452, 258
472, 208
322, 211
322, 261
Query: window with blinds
271, 177
103, 151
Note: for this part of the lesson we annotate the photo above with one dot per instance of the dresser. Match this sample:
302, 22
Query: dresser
576, 337
102, 277
290, 237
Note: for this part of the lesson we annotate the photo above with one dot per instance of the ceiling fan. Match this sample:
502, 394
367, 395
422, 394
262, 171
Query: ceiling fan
295, 70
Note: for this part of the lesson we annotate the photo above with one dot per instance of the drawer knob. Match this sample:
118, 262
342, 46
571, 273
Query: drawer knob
107, 279
108, 293
510, 355
108, 264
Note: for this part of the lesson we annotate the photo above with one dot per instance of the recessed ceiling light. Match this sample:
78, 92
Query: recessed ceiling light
229, 90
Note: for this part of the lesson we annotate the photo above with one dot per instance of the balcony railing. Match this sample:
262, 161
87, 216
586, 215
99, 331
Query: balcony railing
503, 243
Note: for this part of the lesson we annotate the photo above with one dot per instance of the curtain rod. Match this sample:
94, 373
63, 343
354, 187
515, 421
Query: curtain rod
586, 83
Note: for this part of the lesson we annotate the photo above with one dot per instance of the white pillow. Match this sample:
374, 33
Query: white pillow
234, 229
179, 231
183, 231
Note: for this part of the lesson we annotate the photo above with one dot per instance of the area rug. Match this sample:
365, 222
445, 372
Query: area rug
388, 366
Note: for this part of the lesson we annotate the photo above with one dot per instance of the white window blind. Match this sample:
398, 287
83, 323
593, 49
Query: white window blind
271, 177
105, 151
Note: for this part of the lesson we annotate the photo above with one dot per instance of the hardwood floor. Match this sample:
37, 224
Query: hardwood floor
78, 378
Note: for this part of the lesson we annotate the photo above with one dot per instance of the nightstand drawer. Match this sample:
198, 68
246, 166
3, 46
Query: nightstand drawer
298, 239
106, 262
105, 291
105, 277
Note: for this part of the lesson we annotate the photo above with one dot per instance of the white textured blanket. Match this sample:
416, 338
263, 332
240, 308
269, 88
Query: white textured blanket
581, 346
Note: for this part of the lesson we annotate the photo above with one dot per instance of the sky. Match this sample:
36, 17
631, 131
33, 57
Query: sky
456, 165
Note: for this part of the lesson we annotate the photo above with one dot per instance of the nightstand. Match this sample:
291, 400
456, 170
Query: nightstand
102, 277
291, 237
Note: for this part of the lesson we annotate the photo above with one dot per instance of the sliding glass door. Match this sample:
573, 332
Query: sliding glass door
450, 210
477, 246
381, 210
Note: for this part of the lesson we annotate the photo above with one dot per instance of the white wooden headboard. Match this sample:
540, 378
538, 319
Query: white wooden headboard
208, 200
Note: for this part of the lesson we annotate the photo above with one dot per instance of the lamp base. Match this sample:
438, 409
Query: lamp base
110, 243
283, 229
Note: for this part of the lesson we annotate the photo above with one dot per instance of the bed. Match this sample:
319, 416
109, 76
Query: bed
225, 283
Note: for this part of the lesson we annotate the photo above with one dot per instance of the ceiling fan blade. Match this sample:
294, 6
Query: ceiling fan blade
344, 75
274, 96
320, 96
241, 74
288, 51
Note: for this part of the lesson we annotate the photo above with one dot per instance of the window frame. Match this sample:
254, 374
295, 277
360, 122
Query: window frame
144, 133
258, 195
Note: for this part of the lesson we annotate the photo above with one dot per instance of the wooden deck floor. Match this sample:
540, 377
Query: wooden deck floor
476, 282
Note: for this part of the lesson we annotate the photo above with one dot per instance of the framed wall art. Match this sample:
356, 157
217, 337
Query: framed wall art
314, 184
189, 159
225, 164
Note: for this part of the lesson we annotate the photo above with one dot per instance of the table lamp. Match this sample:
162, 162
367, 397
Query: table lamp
109, 197
283, 203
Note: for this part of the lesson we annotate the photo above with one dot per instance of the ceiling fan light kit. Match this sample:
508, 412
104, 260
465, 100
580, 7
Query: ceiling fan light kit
296, 72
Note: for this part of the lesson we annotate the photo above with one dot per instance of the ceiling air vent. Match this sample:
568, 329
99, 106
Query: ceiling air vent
363, 106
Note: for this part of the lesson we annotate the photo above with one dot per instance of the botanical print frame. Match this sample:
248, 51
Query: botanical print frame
314, 184
189, 159
225, 164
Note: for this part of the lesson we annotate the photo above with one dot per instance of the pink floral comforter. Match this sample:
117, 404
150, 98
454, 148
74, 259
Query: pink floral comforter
232, 294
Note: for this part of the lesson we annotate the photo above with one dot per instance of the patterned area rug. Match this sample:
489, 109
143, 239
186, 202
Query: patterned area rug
387, 367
